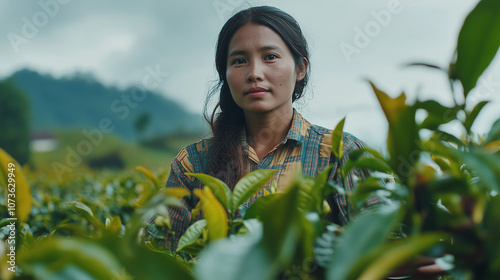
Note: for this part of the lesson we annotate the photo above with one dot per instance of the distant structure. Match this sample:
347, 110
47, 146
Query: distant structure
43, 142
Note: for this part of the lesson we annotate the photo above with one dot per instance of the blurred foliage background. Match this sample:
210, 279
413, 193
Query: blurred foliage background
15, 121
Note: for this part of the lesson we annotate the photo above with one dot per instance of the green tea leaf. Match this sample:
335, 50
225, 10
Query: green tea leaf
337, 143
155, 231
259, 205
192, 234
437, 114
357, 154
75, 230
493, 147
249, 185
373, 164
364, 190
146, 194
214, 213
5, 222
447, 137
494, 133
403, 141
144, 263
155, 265
334, 188
471, 116
491, 226
150, 176
156, 206
87, 213
18, 185
308, 196
194, 248
318, 188
75, 259
485, 165
398, 253
175, 192
251, 226
82, 208
478, 43
370, 151
285, 228
365, 233
114, 225
219, 189
442, 163
241, 257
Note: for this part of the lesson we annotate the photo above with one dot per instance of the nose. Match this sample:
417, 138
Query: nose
255, 72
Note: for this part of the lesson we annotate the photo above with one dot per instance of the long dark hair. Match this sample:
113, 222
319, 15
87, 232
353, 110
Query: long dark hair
225, 159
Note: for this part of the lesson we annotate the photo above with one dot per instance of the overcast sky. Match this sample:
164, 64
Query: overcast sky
117, 40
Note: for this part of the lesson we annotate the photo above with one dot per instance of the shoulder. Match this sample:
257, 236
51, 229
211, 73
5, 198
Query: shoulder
193, 156
317, 129
310, 131
319, 134
350, 142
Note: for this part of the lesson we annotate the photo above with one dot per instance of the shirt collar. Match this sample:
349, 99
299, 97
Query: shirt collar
295, 135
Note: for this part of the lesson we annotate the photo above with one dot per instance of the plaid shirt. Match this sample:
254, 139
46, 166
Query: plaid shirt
306, 145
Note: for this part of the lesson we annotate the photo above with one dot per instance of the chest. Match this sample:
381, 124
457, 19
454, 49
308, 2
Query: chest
287, 160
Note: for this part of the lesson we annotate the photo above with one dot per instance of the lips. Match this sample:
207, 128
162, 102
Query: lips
256, 90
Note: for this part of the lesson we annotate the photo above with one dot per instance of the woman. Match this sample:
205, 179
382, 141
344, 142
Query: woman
263, 65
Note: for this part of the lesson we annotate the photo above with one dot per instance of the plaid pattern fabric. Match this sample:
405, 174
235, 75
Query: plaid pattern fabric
306, 146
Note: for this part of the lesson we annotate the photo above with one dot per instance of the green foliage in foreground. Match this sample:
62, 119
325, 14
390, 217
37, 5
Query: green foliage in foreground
441, 195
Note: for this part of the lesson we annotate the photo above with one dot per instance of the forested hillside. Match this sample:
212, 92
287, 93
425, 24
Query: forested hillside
83, 102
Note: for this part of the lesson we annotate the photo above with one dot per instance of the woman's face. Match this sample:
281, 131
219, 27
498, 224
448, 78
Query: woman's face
261, 71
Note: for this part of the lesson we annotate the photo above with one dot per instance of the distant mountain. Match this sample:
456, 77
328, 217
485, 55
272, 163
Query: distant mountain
83, 102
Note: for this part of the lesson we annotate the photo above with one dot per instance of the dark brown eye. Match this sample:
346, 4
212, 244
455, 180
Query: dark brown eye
271, 56
238, 61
